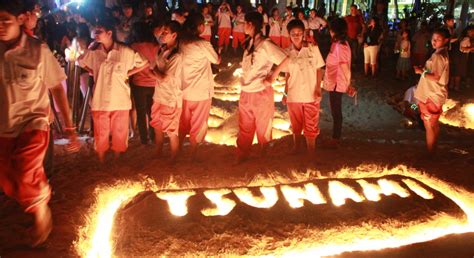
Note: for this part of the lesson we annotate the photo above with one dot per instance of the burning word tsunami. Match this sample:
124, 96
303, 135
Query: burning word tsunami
223, 200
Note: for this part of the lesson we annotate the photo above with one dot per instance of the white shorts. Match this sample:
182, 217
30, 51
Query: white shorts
370, 54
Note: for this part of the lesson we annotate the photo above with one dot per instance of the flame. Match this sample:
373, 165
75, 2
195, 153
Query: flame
458, 114
223, 205
371, 191
418, 189
296, 195
177, 201
390, 187
339, 192
269, 198
94, 238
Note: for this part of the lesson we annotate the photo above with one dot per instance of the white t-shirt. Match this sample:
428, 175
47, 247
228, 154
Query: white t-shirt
112, 91
275, 29
169, 91
284, 31
302, 68
27, 72
239, 21
316, 23
224, 19
258, 65
207, 27
435, 90
198, 82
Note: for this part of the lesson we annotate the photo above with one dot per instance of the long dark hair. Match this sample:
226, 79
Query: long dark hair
141, 32
339, 27
256, 19
190, 30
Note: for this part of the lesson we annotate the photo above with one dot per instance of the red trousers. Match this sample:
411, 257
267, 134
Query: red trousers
224, 36
194, 119
304, 116
256, 110
115, 123
22, 174
238, 37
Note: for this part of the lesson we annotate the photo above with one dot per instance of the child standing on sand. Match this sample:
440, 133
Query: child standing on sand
403, 64
432, 89
303, 87
29, 70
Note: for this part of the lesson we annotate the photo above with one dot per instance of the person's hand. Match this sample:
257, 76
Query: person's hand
317, 94
268, 81
418, 70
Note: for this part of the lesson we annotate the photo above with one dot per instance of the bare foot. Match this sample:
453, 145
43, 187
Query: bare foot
43, 225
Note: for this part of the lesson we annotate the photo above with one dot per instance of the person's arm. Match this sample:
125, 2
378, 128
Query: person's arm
274, 74
210, 53
138, 69
317, 89
285, 92
60, 98
438, 66
230, 11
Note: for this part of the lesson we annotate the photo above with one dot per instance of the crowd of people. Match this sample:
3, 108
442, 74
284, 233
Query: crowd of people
161, 66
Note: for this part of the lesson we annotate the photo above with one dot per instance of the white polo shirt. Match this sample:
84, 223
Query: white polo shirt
169, 92
239, 21
302, 68
316, 23
112, 91
27, 72
207, 27
275, 29
197, 80
284, 30
437, 91
257, 66
224, 19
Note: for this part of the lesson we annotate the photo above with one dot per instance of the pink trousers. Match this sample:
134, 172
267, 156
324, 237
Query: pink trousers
256, 111
115, 123
165, 118
194, 119
430, 112
304, 117
22, 174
